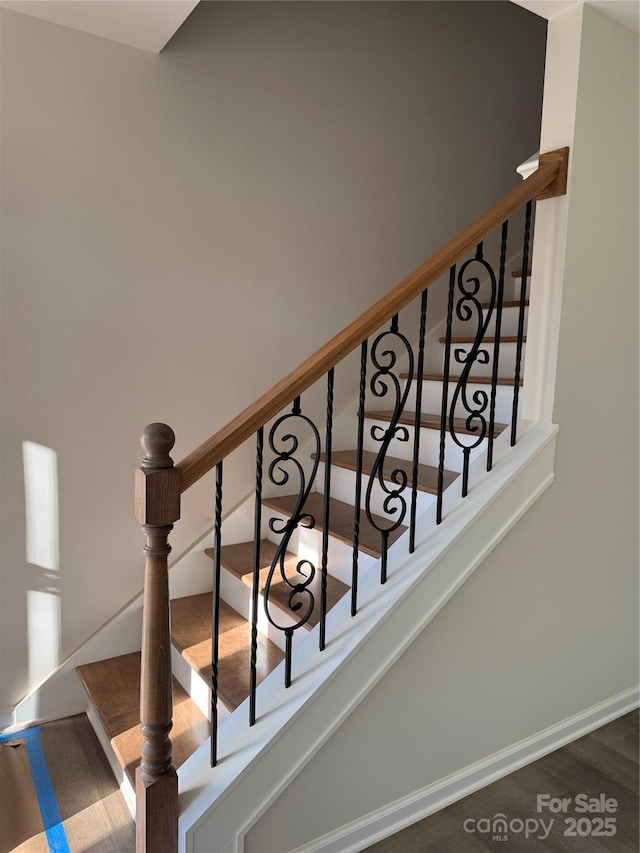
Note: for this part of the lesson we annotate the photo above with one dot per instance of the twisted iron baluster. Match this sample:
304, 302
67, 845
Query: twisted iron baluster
445, 394
496, 350
358, 495
417, 424
380, 387
326, 509
468, 306
523, 293
215, 617
255, 589
279, 475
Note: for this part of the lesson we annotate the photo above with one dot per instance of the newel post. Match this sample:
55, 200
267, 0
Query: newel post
157, 507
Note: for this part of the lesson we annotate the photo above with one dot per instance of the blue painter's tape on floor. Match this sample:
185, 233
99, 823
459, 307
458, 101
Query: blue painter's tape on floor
51, 817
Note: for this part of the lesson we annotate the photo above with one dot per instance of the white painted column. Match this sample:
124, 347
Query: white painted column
558, 124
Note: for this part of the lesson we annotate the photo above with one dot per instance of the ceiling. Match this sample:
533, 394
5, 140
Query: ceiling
150, 24
147, 24
626, 12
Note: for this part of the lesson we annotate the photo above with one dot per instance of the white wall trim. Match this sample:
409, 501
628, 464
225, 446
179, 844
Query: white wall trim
564, 35
430, 799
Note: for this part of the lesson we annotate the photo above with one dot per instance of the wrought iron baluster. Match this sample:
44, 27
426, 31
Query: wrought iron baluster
475, 405
215, 616
384, 380
326, 510
445, 394
358, 495
283, 467
418, 421
496, 349
255, 589
523, 293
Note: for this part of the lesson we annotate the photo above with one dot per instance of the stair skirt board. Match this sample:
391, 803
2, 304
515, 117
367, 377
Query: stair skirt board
218, 808
420, 804
126, 788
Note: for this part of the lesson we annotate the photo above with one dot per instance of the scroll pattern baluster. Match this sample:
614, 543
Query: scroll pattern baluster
284, 467
474, 405
385, 381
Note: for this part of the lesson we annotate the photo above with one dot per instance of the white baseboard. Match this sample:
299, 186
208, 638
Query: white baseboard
396, 816
8, 726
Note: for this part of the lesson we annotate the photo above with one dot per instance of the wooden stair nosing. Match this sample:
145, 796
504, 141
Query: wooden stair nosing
507, 303
113, 688
429, 421
472, 380
470, 339
341, 516
238, 560
427, 474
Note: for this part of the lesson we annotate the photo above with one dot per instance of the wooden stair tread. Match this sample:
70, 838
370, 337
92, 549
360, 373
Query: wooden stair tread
238, 559
280, 592
427, 474
473, 380
470, 339
429, 421
191, 634
508, 303
191, 620
113, 688
518, 273
340, 520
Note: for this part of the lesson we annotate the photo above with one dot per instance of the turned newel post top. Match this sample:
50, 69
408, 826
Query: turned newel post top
158, 483
157, 442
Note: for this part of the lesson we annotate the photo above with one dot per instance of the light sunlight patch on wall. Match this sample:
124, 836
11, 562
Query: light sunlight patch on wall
41, 499
43, 551
43, 633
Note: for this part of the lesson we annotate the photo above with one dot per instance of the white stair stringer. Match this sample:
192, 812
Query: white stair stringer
218, 806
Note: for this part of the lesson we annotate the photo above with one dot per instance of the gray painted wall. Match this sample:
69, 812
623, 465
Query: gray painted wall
179, 231
548, 624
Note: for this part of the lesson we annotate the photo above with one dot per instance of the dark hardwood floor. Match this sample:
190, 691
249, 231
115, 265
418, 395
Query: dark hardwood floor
604, 762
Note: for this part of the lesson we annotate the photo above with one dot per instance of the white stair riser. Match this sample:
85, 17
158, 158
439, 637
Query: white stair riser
343, 487
429, 446
307, 544
512, 289
506, 359
508, 325
432, 398
238, 596
197, 687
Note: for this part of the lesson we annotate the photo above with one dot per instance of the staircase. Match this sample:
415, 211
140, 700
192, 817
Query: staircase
334, 519
113, 685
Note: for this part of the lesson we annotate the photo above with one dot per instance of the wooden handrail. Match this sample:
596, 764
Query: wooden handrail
548, 181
